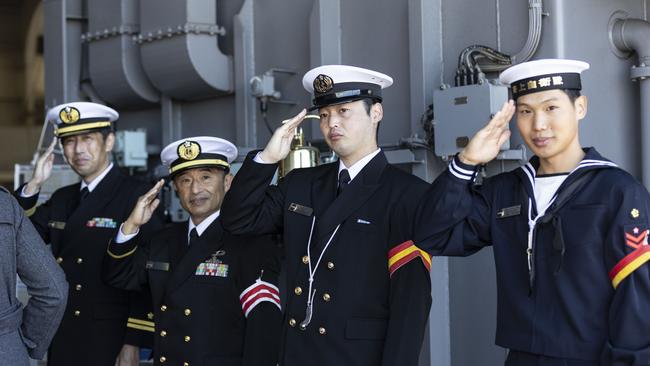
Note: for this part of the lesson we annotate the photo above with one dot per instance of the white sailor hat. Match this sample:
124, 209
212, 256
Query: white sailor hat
335, 84
198, 152
81, 117
540, 75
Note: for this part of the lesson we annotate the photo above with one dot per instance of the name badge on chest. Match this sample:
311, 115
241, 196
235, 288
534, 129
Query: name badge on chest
300, 209
159, 266
509, 211
59, 225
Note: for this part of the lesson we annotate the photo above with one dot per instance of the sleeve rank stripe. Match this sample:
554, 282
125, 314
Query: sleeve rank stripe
140, 327
120, 256
30, 212
404, 253
141, 322
629, 264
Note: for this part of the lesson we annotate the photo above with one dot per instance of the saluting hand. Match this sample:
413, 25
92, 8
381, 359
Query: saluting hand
42, 170
486, 144
280, 143
143, 210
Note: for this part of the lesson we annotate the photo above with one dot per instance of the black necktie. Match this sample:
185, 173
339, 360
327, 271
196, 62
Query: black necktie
344, 180
194, 235
84, 194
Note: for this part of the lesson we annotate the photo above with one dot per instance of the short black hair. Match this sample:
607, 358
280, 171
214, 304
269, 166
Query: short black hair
572, 94
367, 104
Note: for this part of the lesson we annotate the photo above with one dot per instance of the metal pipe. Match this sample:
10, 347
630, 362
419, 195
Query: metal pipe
644, 96
634, 35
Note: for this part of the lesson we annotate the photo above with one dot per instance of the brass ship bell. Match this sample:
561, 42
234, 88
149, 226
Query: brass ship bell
300, 156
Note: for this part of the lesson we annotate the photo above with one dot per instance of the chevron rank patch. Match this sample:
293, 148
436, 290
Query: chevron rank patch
636, 239
259, 292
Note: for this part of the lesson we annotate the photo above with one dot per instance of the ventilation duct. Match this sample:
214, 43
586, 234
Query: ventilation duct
180, 50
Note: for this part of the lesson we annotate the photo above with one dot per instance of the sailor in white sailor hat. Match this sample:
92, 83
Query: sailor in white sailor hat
549, 108
569, 229
207, 286
358, 213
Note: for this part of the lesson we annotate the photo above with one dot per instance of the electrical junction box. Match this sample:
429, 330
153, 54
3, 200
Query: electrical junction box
131, 148
460, 112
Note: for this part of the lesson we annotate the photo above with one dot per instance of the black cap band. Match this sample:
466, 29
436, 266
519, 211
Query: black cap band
545, 82
347, 92
203, 160
82, 126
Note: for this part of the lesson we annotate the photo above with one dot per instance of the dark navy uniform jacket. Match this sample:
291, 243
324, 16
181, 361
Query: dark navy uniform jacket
215, 302
99, 319
364, 312
587, 296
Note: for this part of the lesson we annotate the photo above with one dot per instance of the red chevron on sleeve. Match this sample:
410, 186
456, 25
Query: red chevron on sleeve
257, 293
636, 239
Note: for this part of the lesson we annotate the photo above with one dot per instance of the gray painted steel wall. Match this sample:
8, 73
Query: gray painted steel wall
415, 41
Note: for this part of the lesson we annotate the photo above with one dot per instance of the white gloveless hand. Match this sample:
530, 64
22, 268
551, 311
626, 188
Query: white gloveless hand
42, 170
129, 356
486, 143
279, 145
143, 210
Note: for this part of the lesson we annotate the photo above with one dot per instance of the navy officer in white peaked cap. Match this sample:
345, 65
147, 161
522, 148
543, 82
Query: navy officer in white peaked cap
359, 289
101, 324
569, 229
215, 295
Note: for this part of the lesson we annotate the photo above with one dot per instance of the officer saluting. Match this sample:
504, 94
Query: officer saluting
101, 323
569, 229
215, 296
359, 288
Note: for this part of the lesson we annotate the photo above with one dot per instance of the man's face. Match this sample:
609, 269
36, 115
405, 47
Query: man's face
548, 122
201, 191
349, 128
87, 153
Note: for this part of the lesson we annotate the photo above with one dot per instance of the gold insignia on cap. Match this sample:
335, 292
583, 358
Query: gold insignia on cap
634, 213
323, 83
532, 84
189, 150
69, 115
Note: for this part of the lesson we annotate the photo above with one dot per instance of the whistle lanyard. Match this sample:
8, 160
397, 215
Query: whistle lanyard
532, 222
312, 274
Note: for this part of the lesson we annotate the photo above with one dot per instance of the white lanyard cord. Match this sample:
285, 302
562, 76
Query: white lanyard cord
531, 228
312, 272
